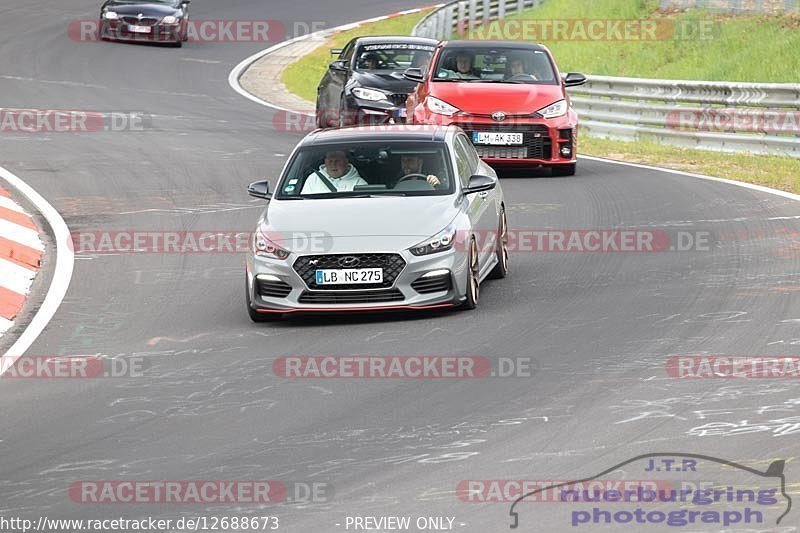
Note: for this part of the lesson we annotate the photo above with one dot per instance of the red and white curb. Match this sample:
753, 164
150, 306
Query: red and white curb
21, 252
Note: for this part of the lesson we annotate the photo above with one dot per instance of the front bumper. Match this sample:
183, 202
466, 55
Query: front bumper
119, 30
359, 112
281, 288
546, 142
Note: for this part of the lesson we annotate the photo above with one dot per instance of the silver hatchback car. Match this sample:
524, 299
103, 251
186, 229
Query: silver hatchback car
377, 218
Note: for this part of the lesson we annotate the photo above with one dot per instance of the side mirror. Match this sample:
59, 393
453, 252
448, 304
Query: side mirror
574, 78
339, 65
259, 189
336, 52
414, 74
480, 183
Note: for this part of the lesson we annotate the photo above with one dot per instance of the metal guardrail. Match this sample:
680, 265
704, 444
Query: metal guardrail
760, 118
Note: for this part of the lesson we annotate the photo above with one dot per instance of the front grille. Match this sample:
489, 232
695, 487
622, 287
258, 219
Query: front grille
351, 297
398, 99
274, 289
392, 265
137, 22
536, 142
432, 284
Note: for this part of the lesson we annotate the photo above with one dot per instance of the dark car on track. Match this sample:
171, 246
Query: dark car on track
365, 85
508, 96
161, 21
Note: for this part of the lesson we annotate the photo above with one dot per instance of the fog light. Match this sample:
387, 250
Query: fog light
566, 151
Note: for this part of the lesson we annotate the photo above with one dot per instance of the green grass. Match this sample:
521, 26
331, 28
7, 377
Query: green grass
777, 172
742, 48
302, 76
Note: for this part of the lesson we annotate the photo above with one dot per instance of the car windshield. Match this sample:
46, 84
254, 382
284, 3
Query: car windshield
393, 56
495, 65
367, 170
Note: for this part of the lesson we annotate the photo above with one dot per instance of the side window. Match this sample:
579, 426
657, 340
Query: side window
472, 154
462, 162
347, 53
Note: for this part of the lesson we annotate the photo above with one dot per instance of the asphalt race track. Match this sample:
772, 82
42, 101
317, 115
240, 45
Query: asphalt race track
598, 326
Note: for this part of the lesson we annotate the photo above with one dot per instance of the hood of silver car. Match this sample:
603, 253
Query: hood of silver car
362, 223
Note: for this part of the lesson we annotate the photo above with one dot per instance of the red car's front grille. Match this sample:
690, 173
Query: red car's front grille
536, 142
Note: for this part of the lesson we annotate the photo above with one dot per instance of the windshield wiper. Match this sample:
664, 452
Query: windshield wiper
377, 195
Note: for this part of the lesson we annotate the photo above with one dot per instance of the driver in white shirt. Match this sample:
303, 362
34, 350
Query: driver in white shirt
336, 171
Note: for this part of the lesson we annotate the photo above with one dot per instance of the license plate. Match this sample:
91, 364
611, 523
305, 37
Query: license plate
496, 137
139, 29
343, 276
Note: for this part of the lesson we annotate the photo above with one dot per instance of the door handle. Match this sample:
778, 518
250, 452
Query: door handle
483, 194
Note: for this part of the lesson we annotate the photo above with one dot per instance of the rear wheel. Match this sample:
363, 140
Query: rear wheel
255, 316
500, 270
473, 277
564, 170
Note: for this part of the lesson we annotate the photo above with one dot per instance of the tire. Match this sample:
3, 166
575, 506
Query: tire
473, 282
500, 270
564, 170
255, 316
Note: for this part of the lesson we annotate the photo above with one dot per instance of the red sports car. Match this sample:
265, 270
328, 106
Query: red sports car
508, 96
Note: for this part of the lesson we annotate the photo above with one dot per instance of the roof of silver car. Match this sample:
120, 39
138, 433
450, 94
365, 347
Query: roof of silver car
395, 132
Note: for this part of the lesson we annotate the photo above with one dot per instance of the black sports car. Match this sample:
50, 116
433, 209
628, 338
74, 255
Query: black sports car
365, 85
165, 21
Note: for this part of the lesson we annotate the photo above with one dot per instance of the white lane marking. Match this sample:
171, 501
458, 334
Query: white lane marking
195, 60
8, 203
20, 234
752, 186
4, 325
62, 274
15, 277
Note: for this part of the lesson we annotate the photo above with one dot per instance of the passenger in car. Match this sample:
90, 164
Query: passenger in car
336, 174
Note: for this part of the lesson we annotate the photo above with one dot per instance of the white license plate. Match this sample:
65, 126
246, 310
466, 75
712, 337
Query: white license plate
344, 276
139, 29
496, 137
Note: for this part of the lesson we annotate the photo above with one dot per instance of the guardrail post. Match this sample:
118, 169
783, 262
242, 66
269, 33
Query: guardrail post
501, 10
473, 8
440, 16
462, 22
487, 8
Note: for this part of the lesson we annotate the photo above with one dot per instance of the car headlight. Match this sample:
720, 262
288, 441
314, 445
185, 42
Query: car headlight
263, 247
170, 19
368, 94
554, 110
441, 242
440, 107
110, 15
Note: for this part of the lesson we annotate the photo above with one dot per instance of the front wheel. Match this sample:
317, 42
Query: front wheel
500, 270
564, 170
473, 277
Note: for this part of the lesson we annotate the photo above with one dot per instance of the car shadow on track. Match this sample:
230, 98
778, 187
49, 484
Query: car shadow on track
358, 318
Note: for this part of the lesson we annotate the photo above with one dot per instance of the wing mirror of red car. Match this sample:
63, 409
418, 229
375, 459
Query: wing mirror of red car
414, 74
573, 79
